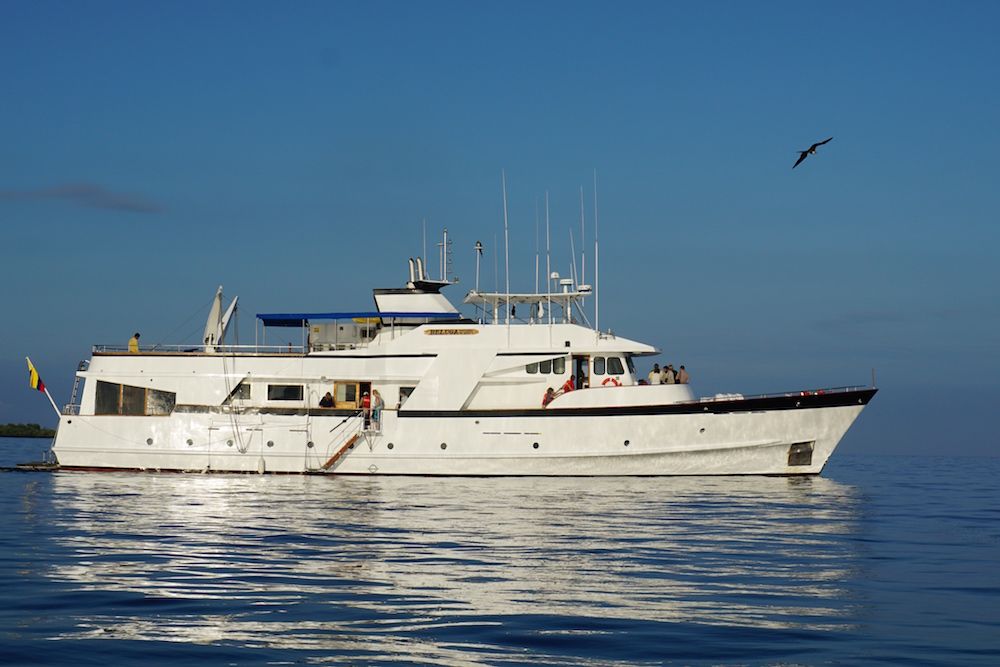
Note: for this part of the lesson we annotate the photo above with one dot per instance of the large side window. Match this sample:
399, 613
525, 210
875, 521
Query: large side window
559, 366
123, 399
284, 392
109, 398
615, 366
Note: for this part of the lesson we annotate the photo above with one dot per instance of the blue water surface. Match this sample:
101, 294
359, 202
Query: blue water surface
892, 560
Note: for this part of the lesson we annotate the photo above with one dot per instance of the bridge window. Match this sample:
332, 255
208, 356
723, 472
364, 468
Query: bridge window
615, 366
598, 365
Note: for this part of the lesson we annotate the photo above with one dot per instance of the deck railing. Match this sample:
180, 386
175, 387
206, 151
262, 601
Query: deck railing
780, 394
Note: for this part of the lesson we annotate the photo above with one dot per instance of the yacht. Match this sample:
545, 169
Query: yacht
414, 387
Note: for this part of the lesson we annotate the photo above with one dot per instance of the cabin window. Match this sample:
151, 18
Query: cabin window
631, 366
242, 391
123, 399
284, 392
559, 366
598, 365
108, 399
531, 369
615, 366
404, 393
545, 367
346, 393
160, 402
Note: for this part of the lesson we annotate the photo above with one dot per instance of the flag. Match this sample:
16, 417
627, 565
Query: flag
34, 381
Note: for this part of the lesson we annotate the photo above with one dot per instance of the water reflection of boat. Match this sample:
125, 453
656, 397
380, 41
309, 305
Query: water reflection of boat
299, 563
459, 395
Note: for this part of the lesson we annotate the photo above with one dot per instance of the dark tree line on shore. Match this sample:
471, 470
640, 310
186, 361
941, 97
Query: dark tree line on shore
25, 431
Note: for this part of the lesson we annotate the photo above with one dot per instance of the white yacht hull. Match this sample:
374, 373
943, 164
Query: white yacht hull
770, 436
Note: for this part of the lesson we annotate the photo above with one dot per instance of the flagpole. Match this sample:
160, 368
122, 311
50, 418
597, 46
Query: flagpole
58, 414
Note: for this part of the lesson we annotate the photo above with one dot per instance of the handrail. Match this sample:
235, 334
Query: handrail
782, 394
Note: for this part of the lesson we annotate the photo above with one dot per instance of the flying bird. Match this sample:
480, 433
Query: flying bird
809, 151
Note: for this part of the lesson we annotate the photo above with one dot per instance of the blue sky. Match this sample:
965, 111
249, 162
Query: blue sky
152, 151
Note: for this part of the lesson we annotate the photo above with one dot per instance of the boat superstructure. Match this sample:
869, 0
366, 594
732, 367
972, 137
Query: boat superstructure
456, 395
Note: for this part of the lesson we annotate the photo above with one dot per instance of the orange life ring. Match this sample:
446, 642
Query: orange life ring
612, 380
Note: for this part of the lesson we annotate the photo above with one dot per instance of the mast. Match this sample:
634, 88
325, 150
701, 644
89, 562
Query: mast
548, 260
597, 264
506, 250
583, 242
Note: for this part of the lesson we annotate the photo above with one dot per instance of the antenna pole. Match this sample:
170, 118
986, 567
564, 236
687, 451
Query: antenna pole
479, 254
506, 249
425, 245
597, 265
583, 242
536, 245
548, 259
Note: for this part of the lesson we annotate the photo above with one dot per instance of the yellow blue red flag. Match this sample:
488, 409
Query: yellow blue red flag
34, 381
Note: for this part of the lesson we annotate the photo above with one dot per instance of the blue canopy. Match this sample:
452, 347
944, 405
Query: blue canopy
300, 319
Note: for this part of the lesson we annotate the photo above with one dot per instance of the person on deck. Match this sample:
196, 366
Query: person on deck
133, 343
654, 375
669, 376
366, 408
377, 405
326, 401
549, 396
682, 376
569, 385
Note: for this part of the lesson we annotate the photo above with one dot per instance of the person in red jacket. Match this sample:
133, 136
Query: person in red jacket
366, 408
569, 385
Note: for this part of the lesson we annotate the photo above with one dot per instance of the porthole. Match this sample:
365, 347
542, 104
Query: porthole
444, 445
270, 443
626, 443
701, 430
190, 442
389, 446
149, 441
229, 442
534, 445
310, 444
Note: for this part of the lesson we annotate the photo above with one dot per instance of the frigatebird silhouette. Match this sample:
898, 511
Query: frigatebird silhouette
809, 151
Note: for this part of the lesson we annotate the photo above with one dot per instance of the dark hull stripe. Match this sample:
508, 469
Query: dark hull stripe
762, 404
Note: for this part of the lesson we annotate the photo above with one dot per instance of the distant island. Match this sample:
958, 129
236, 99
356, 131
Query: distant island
25, 431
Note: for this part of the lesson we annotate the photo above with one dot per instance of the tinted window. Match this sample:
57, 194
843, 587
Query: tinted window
531, 368
559, 366
284, 392
615, 366
242, 391
545, 367
133, 400
598, 365
108, 395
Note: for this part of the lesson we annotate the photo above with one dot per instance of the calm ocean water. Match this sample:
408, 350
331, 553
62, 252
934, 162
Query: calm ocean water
892, 560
